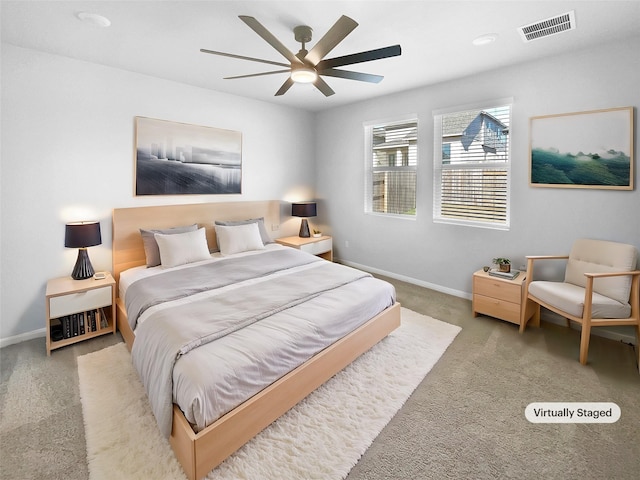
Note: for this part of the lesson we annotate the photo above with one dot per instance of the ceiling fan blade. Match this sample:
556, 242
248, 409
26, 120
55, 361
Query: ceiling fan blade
241, 57
256, 74
323, 87
368, 56
285, 86
270, 39
343, 27
363, 77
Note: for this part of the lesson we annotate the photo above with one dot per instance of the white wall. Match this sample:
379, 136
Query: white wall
67, 154
543, 220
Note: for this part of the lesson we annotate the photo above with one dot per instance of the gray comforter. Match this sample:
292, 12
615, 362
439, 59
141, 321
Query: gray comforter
172, 332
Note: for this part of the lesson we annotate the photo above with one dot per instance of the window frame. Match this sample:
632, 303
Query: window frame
441, 164
370, 169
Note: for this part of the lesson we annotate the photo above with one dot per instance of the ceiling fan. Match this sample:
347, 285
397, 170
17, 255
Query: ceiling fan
308, 66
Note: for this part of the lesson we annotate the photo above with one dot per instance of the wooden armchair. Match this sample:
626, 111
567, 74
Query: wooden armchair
601, 287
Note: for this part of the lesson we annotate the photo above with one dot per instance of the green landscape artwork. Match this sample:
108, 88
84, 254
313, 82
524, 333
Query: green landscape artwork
584, 150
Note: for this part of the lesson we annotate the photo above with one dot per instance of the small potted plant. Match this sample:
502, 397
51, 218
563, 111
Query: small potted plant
504, 264
317, 233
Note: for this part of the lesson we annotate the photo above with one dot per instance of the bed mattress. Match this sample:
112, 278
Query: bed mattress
215, 377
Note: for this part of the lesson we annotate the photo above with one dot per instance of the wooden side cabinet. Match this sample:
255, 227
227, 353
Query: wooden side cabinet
78, 310
320, 246
501, 298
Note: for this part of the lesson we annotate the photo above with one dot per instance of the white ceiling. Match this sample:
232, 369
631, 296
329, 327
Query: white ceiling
163, 39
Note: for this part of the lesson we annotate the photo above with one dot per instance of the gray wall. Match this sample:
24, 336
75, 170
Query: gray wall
543, 220
67, 154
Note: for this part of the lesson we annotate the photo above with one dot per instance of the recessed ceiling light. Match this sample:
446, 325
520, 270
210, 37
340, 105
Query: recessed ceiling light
485, 39
94, 19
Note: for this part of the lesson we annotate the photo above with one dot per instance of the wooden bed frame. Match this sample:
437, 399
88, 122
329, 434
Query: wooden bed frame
200, 452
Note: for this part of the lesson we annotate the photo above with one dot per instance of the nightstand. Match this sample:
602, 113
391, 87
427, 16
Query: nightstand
78, 310
320, 246
501, 298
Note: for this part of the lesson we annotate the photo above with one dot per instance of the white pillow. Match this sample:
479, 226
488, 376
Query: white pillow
180, 248
238, 238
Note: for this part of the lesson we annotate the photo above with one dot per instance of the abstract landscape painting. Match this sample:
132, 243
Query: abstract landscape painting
181, 159
583, 150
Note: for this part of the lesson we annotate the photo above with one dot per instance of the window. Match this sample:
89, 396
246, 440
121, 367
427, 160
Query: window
391, 160
472, 163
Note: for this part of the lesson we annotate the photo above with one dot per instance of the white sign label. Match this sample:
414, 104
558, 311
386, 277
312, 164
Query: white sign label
572, 412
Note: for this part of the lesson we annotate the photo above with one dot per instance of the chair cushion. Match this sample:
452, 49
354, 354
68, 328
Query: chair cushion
570, 298
598, 256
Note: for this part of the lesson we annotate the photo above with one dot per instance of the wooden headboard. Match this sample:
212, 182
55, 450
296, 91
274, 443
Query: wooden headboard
128, 250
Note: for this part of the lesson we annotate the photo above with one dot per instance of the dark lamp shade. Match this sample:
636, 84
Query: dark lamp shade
82, 234
304, 209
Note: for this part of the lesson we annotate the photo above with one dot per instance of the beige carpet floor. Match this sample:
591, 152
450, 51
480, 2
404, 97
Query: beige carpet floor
464, 421
321, 438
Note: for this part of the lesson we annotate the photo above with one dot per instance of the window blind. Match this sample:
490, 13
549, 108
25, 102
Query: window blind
392, 158
472, 164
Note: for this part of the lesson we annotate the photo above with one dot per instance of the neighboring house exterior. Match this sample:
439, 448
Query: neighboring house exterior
473, 136
475, 158
395, 154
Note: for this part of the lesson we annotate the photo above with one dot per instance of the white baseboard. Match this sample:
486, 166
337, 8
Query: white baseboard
546, 315
414, 281
23, 337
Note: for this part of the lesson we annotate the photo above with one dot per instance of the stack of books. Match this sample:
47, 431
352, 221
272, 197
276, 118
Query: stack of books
81, 323
508, 275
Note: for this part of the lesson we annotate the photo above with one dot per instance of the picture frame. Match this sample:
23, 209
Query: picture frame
173, 158
591, 149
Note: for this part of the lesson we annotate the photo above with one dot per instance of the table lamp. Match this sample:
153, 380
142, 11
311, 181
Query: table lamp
82, 235
304, 210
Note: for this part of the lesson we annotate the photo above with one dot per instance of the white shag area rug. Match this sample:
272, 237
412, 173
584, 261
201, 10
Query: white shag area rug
322, 437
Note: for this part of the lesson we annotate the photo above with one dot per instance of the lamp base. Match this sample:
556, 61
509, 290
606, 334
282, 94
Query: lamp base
304, 229
83, 268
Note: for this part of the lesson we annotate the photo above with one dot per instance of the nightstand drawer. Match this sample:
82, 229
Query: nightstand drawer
497, 308
79, 302
497, 289
316, 248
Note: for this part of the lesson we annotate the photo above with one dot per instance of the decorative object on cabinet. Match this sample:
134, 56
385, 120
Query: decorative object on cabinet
304, 210
79, 310
81, 235
504, 264
321, 246
181, 159
592, 149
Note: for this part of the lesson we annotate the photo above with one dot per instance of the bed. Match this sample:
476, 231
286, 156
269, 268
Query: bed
200, 440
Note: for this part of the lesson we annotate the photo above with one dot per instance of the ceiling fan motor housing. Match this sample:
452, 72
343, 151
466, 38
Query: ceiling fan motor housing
302, 33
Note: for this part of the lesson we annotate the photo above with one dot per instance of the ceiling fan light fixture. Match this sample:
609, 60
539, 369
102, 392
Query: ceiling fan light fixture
94, 19
485, 39
304, 74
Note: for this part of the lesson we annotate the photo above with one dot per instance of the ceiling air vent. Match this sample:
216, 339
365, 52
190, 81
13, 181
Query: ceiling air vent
550, 26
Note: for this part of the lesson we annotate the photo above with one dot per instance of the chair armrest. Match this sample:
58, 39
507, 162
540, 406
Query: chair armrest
635, 289
529, 272
547, 257
612, 274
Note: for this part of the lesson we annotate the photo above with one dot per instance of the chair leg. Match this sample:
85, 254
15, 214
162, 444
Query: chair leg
584, 343
638, 346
